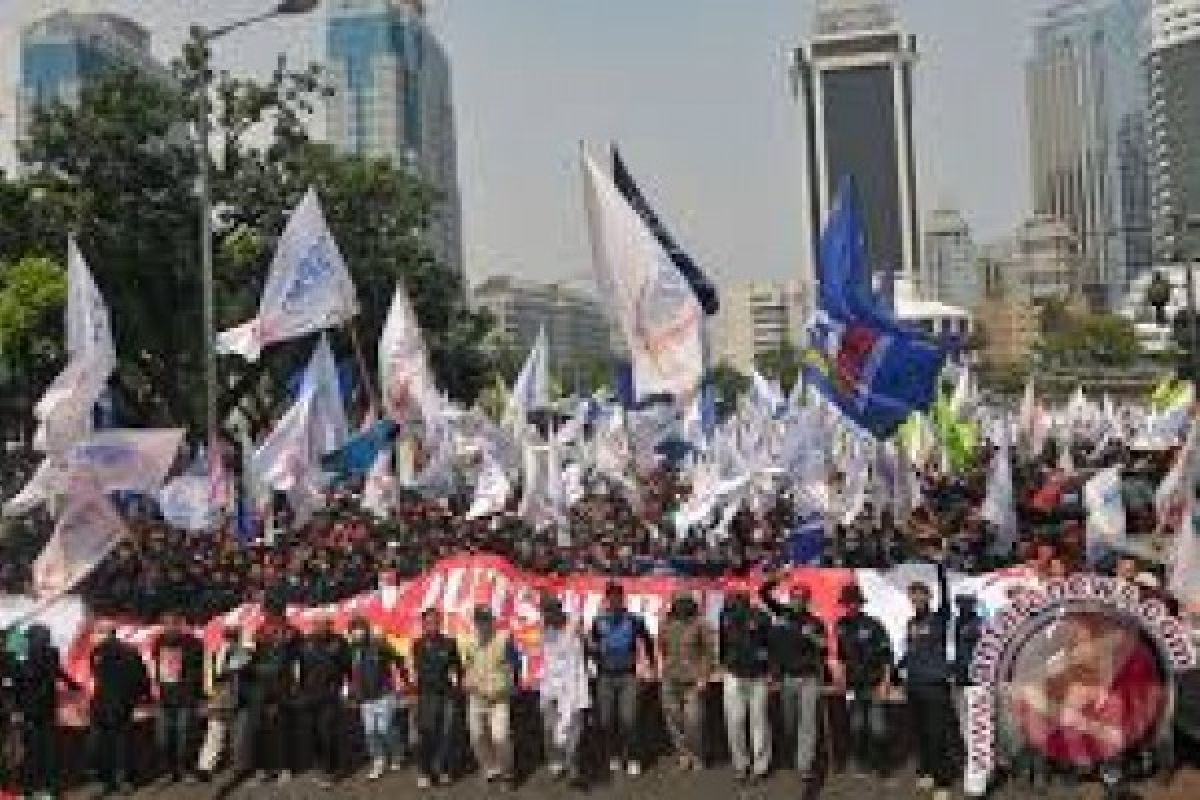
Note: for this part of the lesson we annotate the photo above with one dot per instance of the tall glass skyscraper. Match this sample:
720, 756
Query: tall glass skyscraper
62, 51
855, 82
393, 99
1086, 96
1175, 128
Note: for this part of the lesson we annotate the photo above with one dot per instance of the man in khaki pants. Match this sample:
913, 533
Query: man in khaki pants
491, 666
221, 679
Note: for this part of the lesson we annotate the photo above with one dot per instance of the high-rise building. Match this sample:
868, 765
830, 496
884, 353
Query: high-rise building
1086, 96
61, 52
1174, 63
577, 329
950, 267
854, 79
393, 99
756, 319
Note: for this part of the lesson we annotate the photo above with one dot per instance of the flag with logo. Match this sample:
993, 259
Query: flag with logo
127, 460
86, 533
404, 374
308, 288
653, 305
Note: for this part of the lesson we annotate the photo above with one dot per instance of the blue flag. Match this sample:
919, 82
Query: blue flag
359, 453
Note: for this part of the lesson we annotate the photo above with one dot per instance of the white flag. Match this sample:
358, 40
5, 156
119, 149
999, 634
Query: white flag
1175, 494
120, 460
767, 395
404, 375
491, 490
532, 389
64, 412
1184, 578
289, 459
854, 484
49, 481
87, 531
308, 288
1105, 512
998, 506
651, 301
186, 503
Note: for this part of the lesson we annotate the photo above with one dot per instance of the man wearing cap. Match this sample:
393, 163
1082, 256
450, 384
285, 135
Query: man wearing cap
563, 690
864, 654
743, 646
685, 658
798, 658
927, 677
619, 641
491, 671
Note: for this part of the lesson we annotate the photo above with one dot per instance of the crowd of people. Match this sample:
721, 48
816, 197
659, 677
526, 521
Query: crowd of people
272, 703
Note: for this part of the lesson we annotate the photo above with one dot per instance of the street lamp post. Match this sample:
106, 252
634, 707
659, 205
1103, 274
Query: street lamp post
203, 132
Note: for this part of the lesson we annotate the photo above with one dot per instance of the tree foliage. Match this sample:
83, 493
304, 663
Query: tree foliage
782, 364
120, 171
1073, 338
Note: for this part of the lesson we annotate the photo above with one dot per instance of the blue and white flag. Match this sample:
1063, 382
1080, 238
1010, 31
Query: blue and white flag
532, 389
404, 375
653, 305
185, 503
123, 460
308, 288
1105, 513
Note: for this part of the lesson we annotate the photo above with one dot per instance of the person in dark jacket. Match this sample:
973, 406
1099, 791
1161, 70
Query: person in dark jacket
178, 662
323, 667
120, 682
927, 677
798, 658
865, 663
38, 680
377, 673
618, 638
744, 652
439, 673
968, 627
269, 687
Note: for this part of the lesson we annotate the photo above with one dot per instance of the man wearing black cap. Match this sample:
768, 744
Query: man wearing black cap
618, 638
865, 659
798, 657
927, 677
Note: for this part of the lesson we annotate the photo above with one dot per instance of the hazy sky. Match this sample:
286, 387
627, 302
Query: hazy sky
696, 92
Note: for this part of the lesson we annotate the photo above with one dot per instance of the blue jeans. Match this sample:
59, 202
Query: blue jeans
378, 728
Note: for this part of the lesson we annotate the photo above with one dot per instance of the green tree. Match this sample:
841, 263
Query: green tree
33, 292
781, 364
729, 385
1086, 339
119, 171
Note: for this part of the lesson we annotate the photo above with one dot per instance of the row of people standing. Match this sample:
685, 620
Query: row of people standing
276, 705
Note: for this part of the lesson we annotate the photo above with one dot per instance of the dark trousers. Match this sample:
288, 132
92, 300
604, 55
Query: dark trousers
41, 756
174, 733
268, 724
436, 717
933, 715
319, 725
617, 701
867, 728
109, 746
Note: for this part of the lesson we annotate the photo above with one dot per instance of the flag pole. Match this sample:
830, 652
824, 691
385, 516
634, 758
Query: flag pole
364, 373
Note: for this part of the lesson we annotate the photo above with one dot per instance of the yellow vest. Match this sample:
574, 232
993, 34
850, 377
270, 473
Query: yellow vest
487, 671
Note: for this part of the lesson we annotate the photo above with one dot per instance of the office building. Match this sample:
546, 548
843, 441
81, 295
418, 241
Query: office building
758, 318
61, 52
577, 329
1086, 97
854, 81
950, 267
393, 99
1174, 67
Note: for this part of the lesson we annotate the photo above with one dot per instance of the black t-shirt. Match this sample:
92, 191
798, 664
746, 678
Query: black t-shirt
864, 649
179, 668
435, 659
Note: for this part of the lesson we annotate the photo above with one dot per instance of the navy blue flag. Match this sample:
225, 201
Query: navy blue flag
358, 454
805, 545
702, 287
